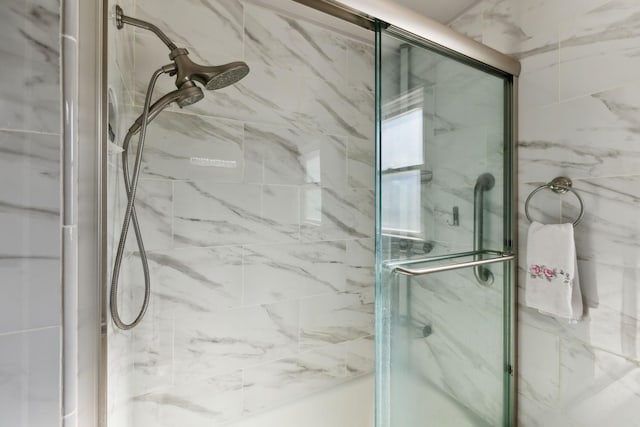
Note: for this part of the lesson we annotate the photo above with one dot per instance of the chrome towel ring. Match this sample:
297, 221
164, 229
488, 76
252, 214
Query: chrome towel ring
559, 185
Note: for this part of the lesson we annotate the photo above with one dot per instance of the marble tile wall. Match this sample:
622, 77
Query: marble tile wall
579, 118
30, 214
257, 207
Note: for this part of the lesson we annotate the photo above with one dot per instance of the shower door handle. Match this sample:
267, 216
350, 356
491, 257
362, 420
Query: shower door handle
485, 182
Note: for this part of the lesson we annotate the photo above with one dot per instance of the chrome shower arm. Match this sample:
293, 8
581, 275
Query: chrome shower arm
122, 19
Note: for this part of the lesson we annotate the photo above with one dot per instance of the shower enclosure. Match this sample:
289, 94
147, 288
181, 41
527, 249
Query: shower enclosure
360, 163
445, 249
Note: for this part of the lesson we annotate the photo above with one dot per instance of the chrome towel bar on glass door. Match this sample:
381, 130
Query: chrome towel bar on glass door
402, 267
559, 185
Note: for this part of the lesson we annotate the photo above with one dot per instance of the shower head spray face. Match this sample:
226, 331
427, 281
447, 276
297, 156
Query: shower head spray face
189, 95
211, 77
226, 75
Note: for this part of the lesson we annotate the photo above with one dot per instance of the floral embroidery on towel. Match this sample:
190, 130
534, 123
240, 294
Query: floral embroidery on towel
543, 272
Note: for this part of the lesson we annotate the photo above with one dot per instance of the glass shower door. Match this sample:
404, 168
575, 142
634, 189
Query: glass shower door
444, 239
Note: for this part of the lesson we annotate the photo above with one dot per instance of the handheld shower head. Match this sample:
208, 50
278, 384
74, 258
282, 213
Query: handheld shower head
211, 77
187, 71
183, 97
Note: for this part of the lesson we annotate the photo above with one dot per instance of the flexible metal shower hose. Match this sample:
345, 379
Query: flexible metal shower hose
130, 216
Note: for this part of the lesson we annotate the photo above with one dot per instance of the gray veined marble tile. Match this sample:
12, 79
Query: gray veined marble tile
327, 107
361, 64
593, 379
522, 28
212, 214
293, 157
31, 295
203, 403
332, 319
610, 228
31, 54
599, 49
30, 218
154, 206
567, 138
538, 366
285, 272
30, 185
470, 22
208, 344
360, 163
277, 39
280, 203
29, 378
197, 279
210, 27
360, 267
289, 379
185, 146
360, 356
326, 214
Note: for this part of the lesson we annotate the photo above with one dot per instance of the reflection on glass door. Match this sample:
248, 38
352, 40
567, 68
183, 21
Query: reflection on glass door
444, 239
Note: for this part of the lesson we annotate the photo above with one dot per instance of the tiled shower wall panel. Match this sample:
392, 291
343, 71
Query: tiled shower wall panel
257, 207
30, 285
579, 101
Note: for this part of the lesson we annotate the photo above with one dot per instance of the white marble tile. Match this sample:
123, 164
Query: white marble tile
361, 64
190, 147
599, 49
30, 204
326, 214
598, 388
277, 39
361, 163
212, 27
154, 207
30, 378
31, 54
208, 344
538, 84
294, 157
532, 413
332, 319
470, 22
197, 279
609, 229
283, 272
31, 299
360, 356
281, 203
275, 383
30, 218
360, 268
567, 138
212, 214
521, 28
343, 110
538, 365
206, 402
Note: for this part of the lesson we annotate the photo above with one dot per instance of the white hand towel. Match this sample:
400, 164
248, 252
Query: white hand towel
552, 284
